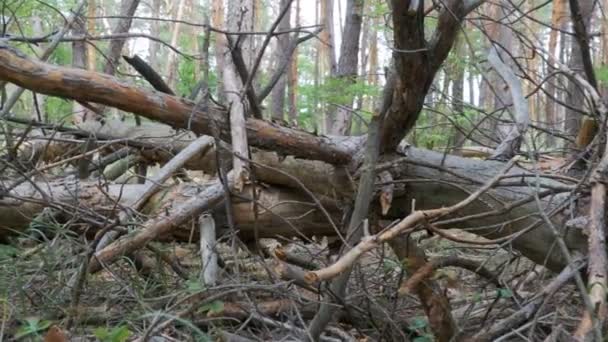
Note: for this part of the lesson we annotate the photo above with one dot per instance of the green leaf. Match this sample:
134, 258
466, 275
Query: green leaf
117, 334
505, 293
194, 285
32, 325
214, 307
418, 323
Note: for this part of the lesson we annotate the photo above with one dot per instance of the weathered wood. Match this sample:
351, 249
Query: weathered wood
89, 86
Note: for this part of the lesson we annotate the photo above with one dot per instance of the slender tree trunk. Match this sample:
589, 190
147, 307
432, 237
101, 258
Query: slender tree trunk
217, 20
458, 138
278, 93
575, 97
91, 11
363, 61
79, 60
558, 16
292, 78
172, 63
127, 10
38, 114
326, 49
318, 120
153, 47
347, 66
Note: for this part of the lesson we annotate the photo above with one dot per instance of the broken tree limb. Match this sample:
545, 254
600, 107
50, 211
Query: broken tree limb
146, 71
427, 270
346, 261
89, 86
206, 200
238, 132
208, 241
510, 145
198, 146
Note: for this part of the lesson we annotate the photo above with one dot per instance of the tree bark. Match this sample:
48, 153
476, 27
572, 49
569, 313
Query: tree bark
127, 10
278, 92
575, 96
347, 65
558, 16
86, 86
172, 65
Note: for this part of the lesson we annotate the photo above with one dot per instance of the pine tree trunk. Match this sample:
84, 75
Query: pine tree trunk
575, 97
292, 78
278, 92
172, 67
153, 47
558, 16
347, 66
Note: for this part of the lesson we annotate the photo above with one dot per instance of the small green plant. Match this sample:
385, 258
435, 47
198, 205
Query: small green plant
116, 334
504, 293
214, 307
31, 326
420, 326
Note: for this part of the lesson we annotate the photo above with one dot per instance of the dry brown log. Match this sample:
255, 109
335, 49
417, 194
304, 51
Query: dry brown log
281, 212
89, 86
420, 166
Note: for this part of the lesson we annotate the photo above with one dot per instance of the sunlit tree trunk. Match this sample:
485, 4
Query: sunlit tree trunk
318, 120
328, 65
91, 11
347, 66
558, 16
38, 114
363, 63
292, 78
123, 25
575, 97
217, 20
457, 139
153, 47
278, 92
79, 60
172, 63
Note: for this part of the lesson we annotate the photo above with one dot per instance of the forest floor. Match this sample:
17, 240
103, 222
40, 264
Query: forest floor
42, 288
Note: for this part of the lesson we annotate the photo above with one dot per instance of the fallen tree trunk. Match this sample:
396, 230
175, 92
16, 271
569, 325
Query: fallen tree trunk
496, 215
89, 86
428, 184
281, 212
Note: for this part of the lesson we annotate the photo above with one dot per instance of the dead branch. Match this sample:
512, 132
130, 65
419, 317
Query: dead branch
526, 312
162, 225
89, 86
430, 267
408, 224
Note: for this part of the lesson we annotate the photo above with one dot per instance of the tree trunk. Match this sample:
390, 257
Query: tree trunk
79, 60
575, 97
328, 65
172, 67
278, 92
558, 20
127, 10
457, 139
347, 66
91, 12
153, 47
292, 79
